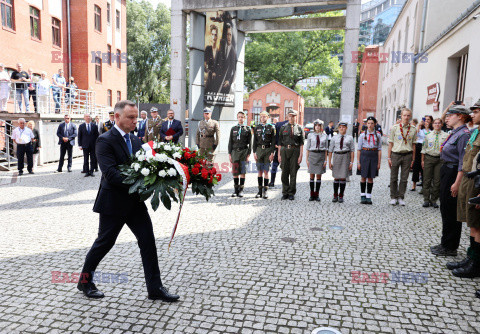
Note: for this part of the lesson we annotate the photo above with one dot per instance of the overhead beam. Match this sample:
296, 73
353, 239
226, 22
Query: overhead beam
273, 13
214, 5
303, 24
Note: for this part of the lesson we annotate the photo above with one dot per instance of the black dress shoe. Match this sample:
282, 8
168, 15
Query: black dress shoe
340, 200
58, 171
163, 294
436, 247
459, 264
335, 199
91, 174
87, 174
69, 170
291, 197
426, 204
96, 170
90, 290
284, 197
444, 252
271, 185
435, 205
31, 172
477, 293
84, 171
471, 270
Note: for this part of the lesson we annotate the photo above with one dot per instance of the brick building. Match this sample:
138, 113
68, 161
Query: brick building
367, 104
36, 34
275, 98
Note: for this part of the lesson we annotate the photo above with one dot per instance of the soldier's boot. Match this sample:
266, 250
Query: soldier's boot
259, 194
472, 268
312, 196
240, 191
265, 196
272, 180
235, 192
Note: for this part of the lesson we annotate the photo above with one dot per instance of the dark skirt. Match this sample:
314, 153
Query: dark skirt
368, 164
417, 165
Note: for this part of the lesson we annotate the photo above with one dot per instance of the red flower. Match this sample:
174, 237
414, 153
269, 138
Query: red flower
218, 177
204, 173
187, 155
186, 149
213, 170
197, 165
194, 154
211, 179
195, 171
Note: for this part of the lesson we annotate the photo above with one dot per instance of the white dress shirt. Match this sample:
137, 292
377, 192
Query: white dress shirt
22, 136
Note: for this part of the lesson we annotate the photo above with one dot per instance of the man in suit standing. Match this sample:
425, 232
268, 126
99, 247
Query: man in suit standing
117, 207
142, 125
152, 130
278, 126
171, 129
87, 136
66, 133
229, 58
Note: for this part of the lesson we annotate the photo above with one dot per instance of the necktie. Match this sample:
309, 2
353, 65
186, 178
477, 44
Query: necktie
129, 144
318, 142
88, 127
66, 129
169, 124
291, 131
341, 143
239, 132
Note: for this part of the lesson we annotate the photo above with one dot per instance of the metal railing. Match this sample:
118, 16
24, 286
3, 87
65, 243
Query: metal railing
7, 139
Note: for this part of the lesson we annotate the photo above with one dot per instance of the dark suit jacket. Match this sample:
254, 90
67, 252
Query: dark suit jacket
142, 124
112, 197
229, 66
85, 139
176, 126
72, 133
213, 64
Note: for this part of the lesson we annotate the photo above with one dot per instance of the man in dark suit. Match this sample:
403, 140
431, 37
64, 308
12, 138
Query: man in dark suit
275, 162
87, 136
171, 129
229, 61
142, 125
117, 207
66, 133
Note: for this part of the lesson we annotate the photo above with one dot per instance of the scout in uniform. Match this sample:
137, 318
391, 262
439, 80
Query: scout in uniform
290, 154
208, 134
154, 124
401, 153
239, 148
470, 266
275, 163
431, 164
108, 124
263, 152
342, 148
451, 174
317, 153
369, 156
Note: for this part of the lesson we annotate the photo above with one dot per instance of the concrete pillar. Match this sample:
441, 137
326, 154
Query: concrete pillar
349, 76
197, 88
178, 62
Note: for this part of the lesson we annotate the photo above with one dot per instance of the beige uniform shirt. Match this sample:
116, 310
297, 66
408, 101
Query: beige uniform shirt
398, 138
208, 133
432, 143
152, 129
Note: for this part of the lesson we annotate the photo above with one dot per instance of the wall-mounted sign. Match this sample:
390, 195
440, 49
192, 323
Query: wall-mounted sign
433, 93
436, 106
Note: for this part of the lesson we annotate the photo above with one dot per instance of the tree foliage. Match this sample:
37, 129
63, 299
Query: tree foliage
148, 47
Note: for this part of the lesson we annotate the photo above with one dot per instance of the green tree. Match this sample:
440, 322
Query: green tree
148, 47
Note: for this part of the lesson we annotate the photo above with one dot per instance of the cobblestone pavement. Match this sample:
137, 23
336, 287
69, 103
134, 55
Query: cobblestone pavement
240, 265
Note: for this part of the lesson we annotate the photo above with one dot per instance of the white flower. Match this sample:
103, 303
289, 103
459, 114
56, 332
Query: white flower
167, 147
141, 157
145, 171
136, 166
162, 173
150, 158
177, 155
172, 172
138, 153
162, 157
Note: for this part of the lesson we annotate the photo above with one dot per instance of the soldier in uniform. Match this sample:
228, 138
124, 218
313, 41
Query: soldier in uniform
239, 148
108, 124
154, 124
431, 164
451, 174
470, 266
401, 153
208, 134
263, 152
342, 147
369, 157
290, 154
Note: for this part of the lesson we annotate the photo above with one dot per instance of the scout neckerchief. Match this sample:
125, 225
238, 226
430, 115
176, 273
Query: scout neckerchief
263, 131
473, 137
401, 131
239, 131
372, 135
435, 146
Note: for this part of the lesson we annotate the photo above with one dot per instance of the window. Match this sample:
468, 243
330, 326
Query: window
462, 75
98, 69
109, 9
98, 18
56, 35
119, 95
407, 27
117, 19
119, 63
109, 51
34, 22
109, 97
7, 13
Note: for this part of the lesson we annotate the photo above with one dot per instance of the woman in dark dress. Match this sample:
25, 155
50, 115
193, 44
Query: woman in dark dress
212, 61
37, 145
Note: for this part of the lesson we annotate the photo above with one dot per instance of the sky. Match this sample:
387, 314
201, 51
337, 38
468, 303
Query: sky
156, 2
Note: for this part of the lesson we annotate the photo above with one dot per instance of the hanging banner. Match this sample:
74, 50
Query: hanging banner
433, 93
220, 58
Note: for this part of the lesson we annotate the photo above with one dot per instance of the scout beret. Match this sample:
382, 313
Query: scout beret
207, 110
476, 105
293, 112
371, 118
318, 121
458, 109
